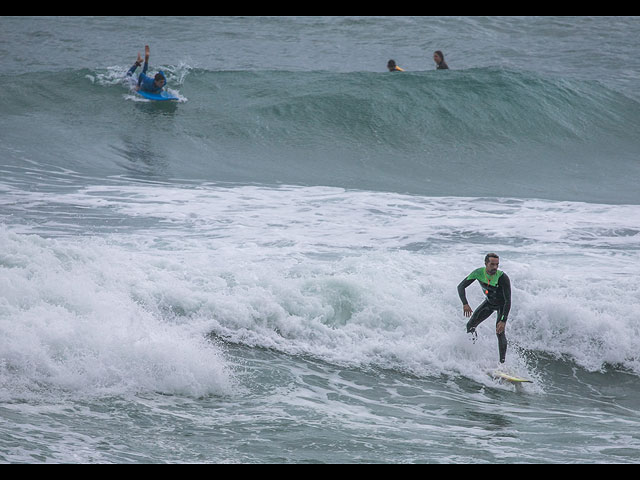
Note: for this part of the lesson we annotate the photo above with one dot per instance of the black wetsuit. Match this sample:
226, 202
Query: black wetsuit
147, 84
497, 289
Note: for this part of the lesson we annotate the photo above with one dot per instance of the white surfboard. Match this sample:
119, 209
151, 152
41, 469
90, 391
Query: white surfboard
498, 375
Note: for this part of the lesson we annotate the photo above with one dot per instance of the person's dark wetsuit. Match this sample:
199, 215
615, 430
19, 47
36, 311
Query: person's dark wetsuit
497, 289
145, 83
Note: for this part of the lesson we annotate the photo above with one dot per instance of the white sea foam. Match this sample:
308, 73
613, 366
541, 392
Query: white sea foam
353, 278
77, 316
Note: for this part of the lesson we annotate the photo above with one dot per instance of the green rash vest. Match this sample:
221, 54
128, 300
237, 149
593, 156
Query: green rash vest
497, 289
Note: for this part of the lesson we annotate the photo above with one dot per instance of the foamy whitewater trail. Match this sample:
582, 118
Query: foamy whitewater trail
349, 277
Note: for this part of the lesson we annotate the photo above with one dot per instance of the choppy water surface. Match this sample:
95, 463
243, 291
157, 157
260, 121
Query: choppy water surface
266, 270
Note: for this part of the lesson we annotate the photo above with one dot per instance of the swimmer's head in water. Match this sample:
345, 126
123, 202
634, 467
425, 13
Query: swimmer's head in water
391, 65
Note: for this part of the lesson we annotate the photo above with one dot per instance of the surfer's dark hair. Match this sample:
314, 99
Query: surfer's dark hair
490, 255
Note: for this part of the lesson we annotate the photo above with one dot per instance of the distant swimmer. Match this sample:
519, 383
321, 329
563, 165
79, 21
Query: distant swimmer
438, 57
497, 288
148, 84
391, 65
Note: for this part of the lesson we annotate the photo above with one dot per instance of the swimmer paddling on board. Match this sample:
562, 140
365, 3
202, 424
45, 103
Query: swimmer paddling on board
148, 84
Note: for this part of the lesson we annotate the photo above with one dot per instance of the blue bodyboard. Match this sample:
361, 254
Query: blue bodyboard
159, 97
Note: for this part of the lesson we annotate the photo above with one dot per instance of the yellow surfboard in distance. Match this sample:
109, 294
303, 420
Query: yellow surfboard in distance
509, 378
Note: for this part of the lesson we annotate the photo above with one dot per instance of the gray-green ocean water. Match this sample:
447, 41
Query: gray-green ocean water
266, 270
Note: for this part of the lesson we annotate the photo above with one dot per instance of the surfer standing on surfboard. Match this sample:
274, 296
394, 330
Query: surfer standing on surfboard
497, 288
148, 84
